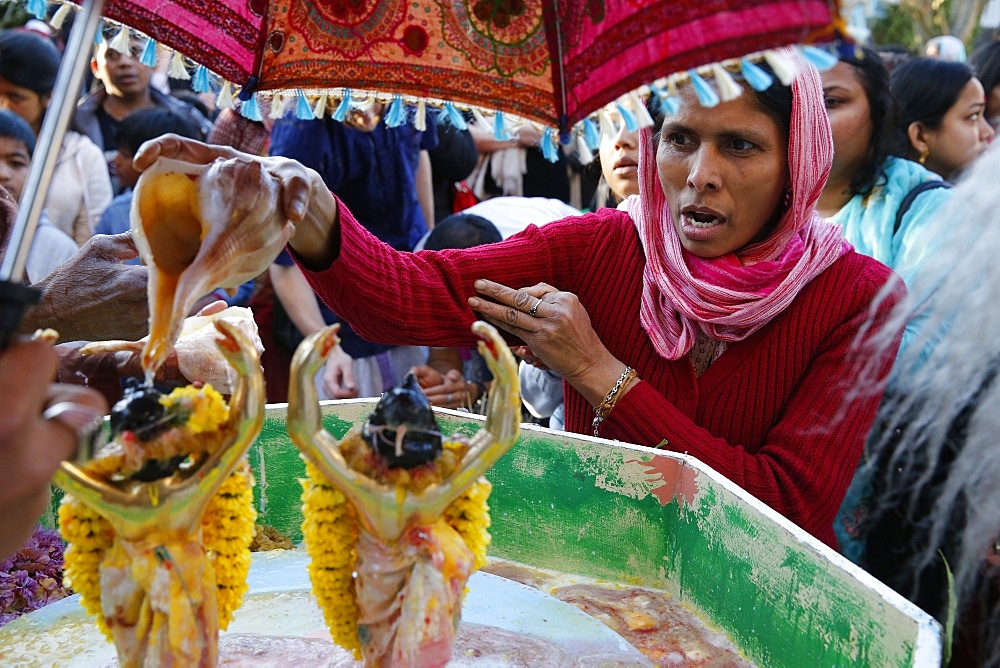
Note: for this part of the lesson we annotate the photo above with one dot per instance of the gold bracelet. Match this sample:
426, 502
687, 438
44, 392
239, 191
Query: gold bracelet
603, 409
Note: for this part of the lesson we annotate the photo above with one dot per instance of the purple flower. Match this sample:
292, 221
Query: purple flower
32, 577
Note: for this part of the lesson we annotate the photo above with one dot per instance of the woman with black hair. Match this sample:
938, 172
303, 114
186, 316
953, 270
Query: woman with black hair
882, 201
885, 204
941, 114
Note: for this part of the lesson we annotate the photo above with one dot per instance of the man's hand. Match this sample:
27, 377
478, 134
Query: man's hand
94, 296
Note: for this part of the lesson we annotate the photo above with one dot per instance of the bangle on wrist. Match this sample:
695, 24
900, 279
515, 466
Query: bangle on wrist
603, 409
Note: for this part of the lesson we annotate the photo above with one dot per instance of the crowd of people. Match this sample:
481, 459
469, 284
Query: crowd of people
748, 282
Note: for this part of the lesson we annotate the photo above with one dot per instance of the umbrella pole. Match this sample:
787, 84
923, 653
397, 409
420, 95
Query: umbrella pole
14, 296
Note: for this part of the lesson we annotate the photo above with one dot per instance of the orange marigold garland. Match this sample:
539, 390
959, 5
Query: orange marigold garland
469, 515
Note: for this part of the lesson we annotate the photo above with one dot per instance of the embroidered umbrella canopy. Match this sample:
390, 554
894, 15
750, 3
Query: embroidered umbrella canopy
552, 61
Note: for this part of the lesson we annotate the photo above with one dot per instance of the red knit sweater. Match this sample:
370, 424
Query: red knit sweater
779, 413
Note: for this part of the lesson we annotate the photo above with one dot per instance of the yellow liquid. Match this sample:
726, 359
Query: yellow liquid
168, 209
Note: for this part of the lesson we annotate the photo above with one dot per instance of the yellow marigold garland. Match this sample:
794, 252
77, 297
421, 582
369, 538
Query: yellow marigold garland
469, 515
89, 537
227, 525
330, 533
227, 531
206, 409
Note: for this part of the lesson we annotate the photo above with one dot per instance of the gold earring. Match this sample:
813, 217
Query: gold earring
923, 155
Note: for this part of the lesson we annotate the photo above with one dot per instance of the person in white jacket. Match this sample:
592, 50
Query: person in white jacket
81, 186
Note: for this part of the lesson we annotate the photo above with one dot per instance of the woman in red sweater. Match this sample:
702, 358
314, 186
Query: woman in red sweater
719, 316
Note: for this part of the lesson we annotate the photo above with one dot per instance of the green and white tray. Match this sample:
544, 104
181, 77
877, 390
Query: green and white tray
633, 515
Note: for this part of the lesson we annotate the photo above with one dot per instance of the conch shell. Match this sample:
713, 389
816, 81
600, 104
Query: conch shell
198, 355
198, 228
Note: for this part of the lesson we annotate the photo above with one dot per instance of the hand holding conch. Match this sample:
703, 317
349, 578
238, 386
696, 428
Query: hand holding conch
206, 217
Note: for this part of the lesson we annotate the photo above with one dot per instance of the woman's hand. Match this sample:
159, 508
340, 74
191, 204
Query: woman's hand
306, 201
557, 330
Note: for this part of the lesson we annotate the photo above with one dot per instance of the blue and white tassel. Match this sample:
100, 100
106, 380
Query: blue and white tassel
758, 79
303, 111
122, 42
481, 121
250, 110
178, 69
707, 96
397, 113
454, 116
728, 88
583, 152
608, 127
628, 118
823, 60
670, 103
500, 131
642, 115
150, 55
340, 114
319, 111
591, 135
225, 97
420, 116
59, 18
37, 8
201, 83
277, 107
549, 149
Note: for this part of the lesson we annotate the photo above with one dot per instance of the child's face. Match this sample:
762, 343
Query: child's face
14, 161
127, 175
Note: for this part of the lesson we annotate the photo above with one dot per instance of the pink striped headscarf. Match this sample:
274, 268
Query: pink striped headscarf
732, 296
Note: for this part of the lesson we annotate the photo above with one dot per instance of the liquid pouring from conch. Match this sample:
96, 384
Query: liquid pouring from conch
199, 228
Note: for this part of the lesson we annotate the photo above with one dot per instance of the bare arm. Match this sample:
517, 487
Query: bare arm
524, 136
425, 188
297, 298
299, 302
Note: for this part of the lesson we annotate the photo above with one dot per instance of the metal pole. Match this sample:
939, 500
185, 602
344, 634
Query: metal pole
43, 163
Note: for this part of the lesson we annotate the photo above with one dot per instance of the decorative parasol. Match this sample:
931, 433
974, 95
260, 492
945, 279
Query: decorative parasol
551, 61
